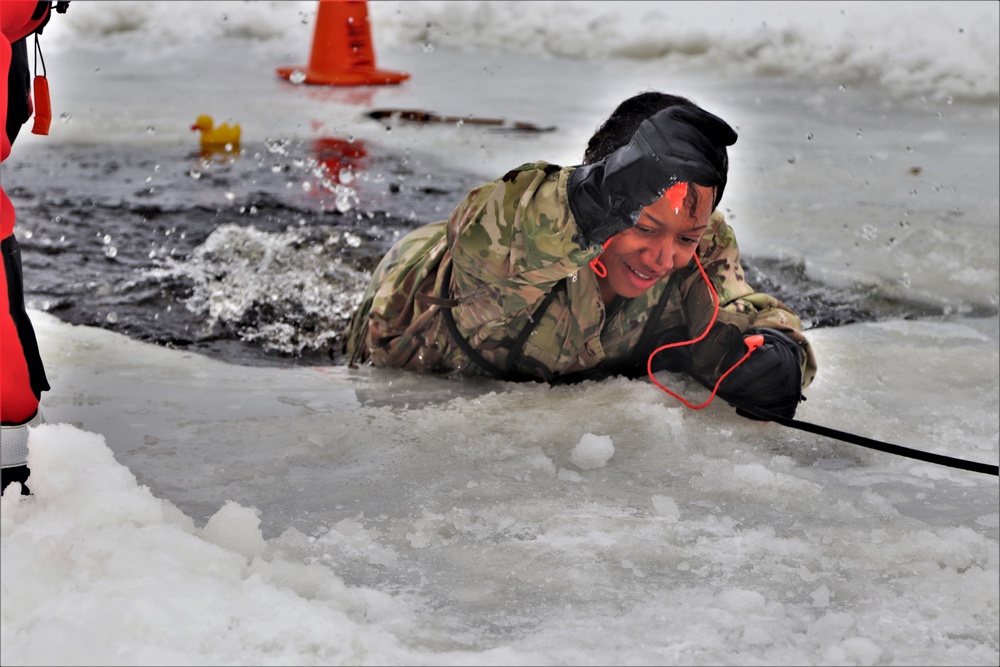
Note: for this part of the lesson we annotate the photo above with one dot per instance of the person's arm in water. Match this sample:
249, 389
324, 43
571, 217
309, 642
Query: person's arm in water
774, 375
682, 144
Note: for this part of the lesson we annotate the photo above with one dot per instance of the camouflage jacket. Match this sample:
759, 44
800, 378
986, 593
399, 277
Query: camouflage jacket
506, 268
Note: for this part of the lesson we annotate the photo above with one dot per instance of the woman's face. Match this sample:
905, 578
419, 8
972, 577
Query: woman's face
664, 240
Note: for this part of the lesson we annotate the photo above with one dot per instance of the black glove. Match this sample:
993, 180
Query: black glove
677, 144
770, 379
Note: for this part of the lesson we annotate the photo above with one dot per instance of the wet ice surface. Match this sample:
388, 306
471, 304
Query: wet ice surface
442, 522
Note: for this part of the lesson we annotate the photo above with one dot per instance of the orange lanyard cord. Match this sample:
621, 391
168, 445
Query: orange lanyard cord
752, 342
597, 265
675, 194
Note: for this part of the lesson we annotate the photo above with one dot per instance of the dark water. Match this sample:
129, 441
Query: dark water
102, 229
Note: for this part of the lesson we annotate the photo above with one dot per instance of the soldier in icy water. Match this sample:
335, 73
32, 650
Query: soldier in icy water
561, 274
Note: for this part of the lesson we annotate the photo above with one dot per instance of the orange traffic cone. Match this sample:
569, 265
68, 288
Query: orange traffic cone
342, 52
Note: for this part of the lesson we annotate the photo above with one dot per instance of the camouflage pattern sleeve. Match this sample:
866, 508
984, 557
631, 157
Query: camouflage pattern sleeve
518, 231
391, 327
505, 246
511, 241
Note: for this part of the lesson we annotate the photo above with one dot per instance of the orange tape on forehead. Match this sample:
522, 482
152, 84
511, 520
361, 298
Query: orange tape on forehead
676, 195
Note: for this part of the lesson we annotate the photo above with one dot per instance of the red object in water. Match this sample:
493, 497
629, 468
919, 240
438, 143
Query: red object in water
335, 154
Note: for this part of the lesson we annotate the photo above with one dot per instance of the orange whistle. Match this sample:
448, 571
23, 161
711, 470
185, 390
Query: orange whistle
43, 106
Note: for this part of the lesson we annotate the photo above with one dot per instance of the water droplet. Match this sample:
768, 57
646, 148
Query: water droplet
428, 47
111, 252
276, 145
150, 129
112, 318
297, 77
791, 159
65, 117
345, 199
869, 231
809, 137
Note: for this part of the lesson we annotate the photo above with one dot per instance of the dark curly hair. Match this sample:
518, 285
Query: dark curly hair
619, 127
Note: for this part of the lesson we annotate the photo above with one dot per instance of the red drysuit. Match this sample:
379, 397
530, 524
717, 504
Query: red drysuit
22, 377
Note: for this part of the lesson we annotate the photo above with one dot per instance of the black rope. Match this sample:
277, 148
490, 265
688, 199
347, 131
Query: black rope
509, 375
512, 374
516, 351
38, 56
875, 444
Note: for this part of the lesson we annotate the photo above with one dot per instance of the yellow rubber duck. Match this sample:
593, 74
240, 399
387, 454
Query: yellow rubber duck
217, 137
